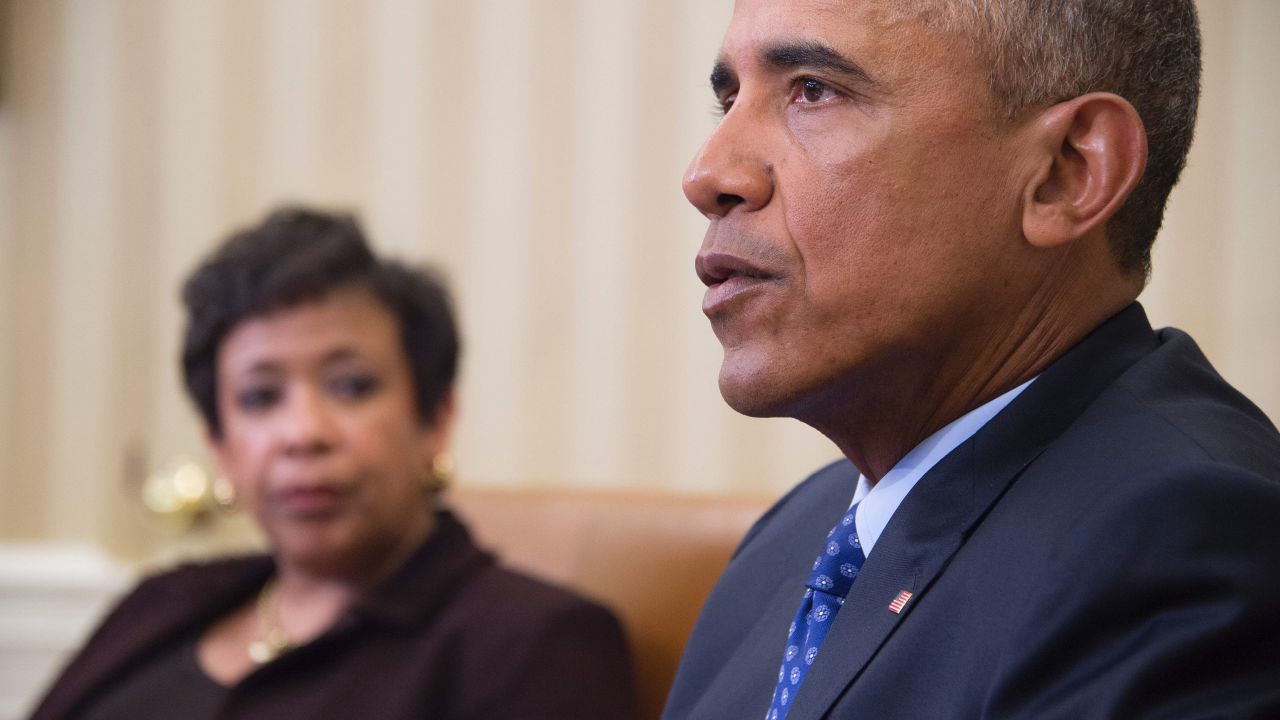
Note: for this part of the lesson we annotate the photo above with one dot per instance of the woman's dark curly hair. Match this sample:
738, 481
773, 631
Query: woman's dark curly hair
297, 255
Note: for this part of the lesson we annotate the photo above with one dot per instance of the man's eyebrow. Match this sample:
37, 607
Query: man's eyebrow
813, 54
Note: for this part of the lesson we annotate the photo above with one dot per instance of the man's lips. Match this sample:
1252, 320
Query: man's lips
716, 267
727, 276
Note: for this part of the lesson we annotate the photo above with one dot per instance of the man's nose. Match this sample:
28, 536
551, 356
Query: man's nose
731, 169
307, 424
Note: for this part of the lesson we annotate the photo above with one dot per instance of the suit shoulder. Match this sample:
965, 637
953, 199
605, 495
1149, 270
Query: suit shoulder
826, 487
1172, 410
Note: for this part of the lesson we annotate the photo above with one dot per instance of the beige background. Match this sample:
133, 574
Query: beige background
531, 148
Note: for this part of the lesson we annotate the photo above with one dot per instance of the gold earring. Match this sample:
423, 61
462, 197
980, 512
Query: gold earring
224, 494
441, 472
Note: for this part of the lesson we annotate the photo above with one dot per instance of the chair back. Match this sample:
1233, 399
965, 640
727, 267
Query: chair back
651, 557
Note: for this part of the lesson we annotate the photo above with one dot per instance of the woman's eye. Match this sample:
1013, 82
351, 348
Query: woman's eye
353, 387
257, 398
813, 91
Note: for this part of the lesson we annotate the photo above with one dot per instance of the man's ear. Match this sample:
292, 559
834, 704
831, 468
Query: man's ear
1092, 152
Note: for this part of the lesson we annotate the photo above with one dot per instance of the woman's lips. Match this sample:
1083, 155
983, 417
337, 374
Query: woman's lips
311, 500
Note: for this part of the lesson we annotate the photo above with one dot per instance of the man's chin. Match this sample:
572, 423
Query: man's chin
762, 384
753, 394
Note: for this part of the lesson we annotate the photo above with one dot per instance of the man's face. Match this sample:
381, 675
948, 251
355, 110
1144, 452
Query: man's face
860, 196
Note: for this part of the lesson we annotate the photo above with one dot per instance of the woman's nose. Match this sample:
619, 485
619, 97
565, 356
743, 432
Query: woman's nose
307, 424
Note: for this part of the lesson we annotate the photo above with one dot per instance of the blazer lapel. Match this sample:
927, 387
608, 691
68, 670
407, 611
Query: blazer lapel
952, 498
151, 616
916, 545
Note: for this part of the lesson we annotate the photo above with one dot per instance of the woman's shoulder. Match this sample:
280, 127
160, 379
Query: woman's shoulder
522, 592
161, 606
492, 586
552, 643
455, 583
209, 578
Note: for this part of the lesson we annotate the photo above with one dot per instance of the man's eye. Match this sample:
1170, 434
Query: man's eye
353, 387
813, 91
724, 104
257, 398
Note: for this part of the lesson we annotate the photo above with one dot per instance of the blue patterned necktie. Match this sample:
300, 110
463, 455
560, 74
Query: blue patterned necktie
833, 574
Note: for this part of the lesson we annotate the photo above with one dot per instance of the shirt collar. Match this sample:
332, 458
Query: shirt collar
877, 504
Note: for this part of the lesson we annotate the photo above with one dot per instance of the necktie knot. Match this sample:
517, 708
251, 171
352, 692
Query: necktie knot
841, 558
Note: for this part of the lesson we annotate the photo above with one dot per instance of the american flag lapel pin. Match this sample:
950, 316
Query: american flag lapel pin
899, 602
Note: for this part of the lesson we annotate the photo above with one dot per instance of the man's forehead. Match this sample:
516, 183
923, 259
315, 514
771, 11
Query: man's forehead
829, 12
843, 24
753, 19
883, 37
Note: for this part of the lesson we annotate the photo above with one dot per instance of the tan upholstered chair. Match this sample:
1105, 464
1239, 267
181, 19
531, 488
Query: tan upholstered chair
651, 557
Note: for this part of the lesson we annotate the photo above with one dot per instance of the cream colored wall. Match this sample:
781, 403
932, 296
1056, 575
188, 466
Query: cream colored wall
531, 148
1218, 259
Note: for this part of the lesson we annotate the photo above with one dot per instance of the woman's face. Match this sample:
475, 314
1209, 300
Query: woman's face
320, 434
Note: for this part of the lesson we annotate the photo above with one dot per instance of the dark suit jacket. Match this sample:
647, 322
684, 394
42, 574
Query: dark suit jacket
451, 635
1106, 547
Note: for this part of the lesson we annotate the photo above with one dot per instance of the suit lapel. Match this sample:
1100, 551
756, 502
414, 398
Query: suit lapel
952, 498
916, 545
757, 657
735, 673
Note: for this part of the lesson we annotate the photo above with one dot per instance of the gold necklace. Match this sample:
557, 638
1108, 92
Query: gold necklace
274, 642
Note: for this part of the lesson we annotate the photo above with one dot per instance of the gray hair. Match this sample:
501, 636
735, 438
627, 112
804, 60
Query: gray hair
1041, 52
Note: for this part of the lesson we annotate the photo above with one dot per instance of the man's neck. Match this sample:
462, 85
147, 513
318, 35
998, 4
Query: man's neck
878, 417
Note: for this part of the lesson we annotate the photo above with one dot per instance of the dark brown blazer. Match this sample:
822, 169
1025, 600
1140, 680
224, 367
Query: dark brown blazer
451, 636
